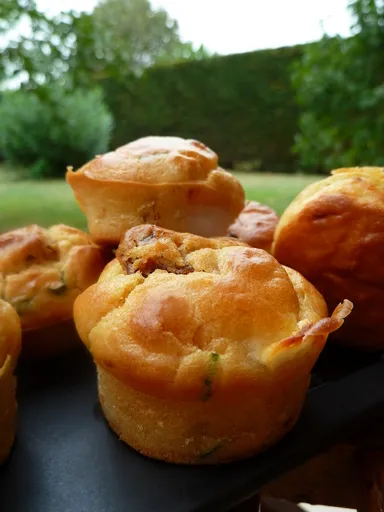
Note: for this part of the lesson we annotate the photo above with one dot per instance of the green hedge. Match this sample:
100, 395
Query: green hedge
47, 129
243, 106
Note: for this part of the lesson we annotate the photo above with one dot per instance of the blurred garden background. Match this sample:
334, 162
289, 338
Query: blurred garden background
76, 83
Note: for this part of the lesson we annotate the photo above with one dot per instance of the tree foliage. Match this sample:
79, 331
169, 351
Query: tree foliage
12, 10
340, 90
48, 133
35, 53
118, 37
122, 37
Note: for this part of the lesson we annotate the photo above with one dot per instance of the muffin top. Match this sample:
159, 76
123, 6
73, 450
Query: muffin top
154, 160
178, 315
10, 334
255, 225
364, 185
333, 233
43, 270
343, 218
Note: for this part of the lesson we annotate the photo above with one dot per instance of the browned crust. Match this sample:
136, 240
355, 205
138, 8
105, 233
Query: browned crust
255, 225
201, 306
152, 160
146, 248
321, 328
10, 344
177, 185
42, 271
10, 334
333, 234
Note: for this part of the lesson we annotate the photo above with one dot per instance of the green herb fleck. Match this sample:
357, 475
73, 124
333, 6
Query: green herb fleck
208, 381
214, 357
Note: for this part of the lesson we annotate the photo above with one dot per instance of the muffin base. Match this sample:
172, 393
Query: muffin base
50, 341
210, 432
205, 209
8, 409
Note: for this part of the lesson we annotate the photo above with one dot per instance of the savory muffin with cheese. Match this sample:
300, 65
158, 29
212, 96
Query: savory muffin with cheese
42, 271
10, 344
167, 181
203, 347
333, 234
255, 225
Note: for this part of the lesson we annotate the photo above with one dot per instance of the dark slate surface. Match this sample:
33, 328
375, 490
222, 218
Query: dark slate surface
66, 459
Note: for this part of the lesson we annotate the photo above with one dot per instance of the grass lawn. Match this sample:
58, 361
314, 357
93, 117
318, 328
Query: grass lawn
49, 202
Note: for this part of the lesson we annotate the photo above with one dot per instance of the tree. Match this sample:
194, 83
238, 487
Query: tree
38, 56
12, 10
120, 37
46, 135
126, 36
340, 89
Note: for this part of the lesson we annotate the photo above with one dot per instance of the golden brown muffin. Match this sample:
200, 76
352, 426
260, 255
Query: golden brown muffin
255, 225
167, 181
333, 234
203, 347
10, 344
42, 271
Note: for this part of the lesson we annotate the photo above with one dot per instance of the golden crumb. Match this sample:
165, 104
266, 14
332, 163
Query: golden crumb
201, 339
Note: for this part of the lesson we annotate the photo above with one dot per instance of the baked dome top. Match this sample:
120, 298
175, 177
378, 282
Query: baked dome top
154, 160
180, 315
333, 233
255, 225
43, 270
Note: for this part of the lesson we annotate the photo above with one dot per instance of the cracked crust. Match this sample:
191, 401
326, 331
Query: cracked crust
148, 248
255, 225
10, 344
203, 346
167, 181
158, 329
42, 271
171, 160
333, 234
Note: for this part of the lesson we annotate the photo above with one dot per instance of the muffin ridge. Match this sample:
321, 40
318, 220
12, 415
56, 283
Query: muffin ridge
180, 301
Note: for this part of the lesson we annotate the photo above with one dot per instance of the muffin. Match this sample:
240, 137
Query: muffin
167, 181
333, 234
42, 271
10, 343
203, 347
255, 225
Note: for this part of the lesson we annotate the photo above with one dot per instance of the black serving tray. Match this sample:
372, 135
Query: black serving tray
66, 459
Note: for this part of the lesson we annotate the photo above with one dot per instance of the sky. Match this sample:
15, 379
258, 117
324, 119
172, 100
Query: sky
236, 26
